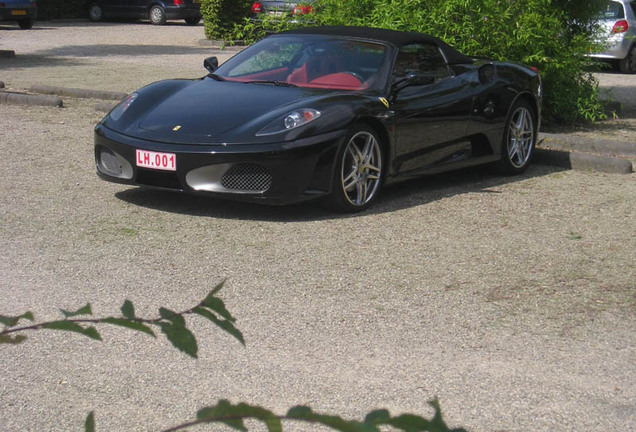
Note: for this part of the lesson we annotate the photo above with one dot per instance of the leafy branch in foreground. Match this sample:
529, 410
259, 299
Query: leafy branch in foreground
233, 416
172, 324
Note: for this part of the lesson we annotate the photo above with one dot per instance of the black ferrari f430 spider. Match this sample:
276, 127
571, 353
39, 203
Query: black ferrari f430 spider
323, 112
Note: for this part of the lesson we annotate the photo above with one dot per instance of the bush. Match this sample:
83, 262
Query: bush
220, 16
552, 35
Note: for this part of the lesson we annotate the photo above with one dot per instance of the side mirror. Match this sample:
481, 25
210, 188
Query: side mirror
211, 64
414, 79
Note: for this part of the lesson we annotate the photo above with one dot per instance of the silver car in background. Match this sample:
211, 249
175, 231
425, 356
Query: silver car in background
618, 25
280, 8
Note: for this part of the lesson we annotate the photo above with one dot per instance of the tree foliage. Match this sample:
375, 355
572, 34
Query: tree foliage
173, 325
551, 35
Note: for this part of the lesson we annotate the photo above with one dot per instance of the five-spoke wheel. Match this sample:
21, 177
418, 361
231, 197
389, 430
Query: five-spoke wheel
519, 138
359, 170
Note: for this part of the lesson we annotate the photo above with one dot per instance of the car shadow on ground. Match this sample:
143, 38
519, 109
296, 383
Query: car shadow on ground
394, 197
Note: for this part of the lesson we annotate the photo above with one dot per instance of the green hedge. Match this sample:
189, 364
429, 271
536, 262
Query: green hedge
220, 16
552, 35
55, 9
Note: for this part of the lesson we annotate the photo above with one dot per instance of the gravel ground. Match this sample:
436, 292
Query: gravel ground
510, 299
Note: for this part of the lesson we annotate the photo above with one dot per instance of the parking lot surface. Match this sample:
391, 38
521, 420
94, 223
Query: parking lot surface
511, 299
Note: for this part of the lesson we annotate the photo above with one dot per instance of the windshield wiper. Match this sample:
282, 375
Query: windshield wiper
216, 77
272, 82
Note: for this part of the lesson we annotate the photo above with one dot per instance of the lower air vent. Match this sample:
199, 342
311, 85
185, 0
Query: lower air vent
247, 178
113, 164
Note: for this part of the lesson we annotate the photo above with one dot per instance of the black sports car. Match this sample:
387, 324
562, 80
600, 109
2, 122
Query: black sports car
325, 112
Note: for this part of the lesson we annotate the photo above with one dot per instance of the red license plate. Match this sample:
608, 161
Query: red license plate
158, 161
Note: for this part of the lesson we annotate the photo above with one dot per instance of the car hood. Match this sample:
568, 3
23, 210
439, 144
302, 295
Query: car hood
211, 112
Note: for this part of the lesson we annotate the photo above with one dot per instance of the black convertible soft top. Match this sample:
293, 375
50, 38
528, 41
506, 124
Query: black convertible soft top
394, 37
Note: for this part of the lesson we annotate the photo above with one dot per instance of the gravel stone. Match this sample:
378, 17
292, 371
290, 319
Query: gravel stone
511, 299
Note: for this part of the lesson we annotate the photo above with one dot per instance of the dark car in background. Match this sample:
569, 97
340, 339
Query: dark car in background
22, 11
280, 8
157, 11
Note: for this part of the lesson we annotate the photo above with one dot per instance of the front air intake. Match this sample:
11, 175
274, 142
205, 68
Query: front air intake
246, 177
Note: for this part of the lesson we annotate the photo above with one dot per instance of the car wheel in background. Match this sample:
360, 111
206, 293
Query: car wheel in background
519, 139
359, 171
95, 12
157, 15
25, 24
628, 64
192, 20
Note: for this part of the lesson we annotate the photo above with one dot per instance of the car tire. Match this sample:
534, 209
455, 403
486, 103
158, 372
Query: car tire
520, 137
95, 12
26, 24
192, 21
628, 64
358, 171
157, 15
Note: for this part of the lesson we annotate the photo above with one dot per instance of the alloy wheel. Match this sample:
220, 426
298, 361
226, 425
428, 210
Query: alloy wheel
520, 137
361, 172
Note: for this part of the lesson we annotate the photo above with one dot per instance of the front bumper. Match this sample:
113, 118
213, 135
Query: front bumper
277, 173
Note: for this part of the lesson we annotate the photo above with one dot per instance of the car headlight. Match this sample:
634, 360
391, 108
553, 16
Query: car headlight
290, 121
120, 109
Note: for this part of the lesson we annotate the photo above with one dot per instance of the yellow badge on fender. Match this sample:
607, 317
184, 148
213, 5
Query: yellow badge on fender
384, 102
176, 128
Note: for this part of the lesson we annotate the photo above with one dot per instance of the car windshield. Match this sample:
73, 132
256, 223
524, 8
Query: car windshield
310, 61
612, 10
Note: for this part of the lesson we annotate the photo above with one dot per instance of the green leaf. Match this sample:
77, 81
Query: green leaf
128, 310
86, 310
225, 325
221, 413
73, 327
217, 305
409, 422
378, 417
171, 316
233, 415
306, 414
181, 338
217, 288
11, 321
89, 424
128, 323
13, 340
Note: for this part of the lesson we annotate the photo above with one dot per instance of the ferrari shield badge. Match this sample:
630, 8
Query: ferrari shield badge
176, 128
384, 102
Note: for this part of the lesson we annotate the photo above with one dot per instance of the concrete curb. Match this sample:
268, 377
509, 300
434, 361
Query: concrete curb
7, 98
104, 107
588, 145
582, 161
78, 93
